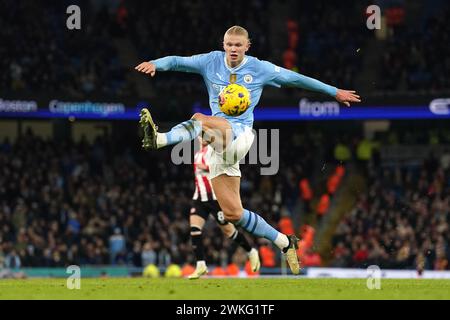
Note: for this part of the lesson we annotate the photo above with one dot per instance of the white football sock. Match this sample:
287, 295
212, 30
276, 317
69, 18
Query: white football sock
281, 241
161, 140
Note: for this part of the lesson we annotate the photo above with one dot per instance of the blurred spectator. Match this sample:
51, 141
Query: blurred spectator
311, 259
116, 245
148, 255
267, 255
12, 260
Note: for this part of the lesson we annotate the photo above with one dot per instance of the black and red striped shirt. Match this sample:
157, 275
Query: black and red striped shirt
203, 186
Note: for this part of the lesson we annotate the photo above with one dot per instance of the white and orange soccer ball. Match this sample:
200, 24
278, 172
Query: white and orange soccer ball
234, 100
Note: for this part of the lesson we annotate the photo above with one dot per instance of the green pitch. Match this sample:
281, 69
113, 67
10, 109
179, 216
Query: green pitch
224, 289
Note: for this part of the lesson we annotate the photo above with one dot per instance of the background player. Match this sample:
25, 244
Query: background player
205, 203
218, 70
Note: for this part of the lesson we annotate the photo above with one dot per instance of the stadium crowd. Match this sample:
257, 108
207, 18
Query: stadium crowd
408, 62
41, 55
67, 203
155, 35
328, 41
78, 203
402, 220
322, 40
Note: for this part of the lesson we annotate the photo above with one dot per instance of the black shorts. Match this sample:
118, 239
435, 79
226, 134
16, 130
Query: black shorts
205, 208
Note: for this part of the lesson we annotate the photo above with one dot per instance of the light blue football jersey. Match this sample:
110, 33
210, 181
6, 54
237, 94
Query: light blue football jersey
252, 73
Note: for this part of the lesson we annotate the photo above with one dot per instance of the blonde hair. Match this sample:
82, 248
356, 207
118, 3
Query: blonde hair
238, 31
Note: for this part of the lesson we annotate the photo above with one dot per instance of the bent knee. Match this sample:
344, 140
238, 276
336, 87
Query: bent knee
233, 214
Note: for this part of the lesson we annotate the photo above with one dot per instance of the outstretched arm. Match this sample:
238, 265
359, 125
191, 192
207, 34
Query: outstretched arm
284, 77
192, 64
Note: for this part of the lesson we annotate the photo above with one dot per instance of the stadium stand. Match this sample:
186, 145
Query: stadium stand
403, 218
106, 202
42, 57
93, 204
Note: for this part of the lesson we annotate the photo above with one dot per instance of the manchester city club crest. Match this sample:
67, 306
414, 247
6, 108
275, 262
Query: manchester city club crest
248, 78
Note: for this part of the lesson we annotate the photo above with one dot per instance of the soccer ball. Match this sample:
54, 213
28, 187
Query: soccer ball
234, 100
